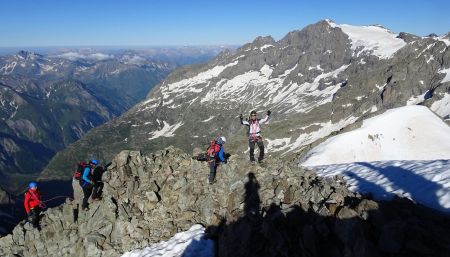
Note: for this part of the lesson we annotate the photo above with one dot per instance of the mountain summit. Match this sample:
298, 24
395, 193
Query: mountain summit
316, 81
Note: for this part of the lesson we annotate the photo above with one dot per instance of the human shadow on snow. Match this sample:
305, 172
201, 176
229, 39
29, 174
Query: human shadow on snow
420, 189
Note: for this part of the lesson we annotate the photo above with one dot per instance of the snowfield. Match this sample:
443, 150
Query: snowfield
377, 40
442, 107
406, 133
190, 243
166, 131
405, 151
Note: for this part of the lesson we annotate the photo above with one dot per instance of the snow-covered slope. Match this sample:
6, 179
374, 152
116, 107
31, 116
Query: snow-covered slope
404, 151
184, 244
425, 182
442, 107
406, 133
375, 39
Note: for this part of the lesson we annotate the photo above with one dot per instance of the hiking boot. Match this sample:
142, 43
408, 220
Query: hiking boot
252, 162
261, 161
85, 208
97, 198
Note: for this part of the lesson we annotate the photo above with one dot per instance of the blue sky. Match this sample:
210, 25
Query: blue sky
170, 22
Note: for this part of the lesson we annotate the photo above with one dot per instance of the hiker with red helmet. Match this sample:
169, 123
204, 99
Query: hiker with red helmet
87, 183
215, 154
33, 203
254, 134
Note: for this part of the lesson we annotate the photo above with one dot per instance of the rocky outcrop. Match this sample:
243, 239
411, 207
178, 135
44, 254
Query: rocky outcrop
277, 209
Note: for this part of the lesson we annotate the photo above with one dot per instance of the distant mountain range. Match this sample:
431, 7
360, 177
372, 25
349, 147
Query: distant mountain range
49, 101
317, 81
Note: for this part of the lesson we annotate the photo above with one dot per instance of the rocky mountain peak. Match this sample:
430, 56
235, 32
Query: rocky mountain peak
407, 37
263, 40
28, 55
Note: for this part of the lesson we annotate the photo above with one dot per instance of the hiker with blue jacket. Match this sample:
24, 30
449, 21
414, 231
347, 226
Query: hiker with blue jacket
215, 154
87, 183
254, 134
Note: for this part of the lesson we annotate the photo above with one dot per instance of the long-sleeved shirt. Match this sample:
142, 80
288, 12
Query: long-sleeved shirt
254, 128
86, 175
221, 154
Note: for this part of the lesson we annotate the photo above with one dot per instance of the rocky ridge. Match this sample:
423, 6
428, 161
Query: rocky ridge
278, 209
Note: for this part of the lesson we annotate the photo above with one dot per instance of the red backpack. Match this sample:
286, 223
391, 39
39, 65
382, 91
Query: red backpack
213, 149
80, 168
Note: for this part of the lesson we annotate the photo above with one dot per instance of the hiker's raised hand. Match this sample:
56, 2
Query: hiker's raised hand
241, 117
268, 113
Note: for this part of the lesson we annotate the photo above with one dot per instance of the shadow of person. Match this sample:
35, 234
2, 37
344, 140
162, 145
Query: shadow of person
418, 188
368, 188
252, 201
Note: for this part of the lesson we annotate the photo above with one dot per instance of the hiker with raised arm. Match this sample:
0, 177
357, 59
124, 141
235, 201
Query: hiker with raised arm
254, 134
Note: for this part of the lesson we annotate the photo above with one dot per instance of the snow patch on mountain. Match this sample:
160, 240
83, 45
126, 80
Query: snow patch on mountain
292, 93
374, 39
442, 107
8, 68
406, 133
445, 40
191, 243
276, 145
288, 71
166, 131
325, 130
238, 88
208, 119
260, 84
189, 85
264, 47
447, 75
418, 99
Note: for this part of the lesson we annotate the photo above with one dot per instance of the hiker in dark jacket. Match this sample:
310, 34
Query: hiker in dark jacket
33, 204
216, 155
87, 183
254, 134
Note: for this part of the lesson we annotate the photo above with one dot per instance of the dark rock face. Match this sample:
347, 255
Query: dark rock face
277, 209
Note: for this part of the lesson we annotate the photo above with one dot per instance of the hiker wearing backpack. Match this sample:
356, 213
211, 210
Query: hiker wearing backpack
216, 154
33, 204
87, 183
254, 134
